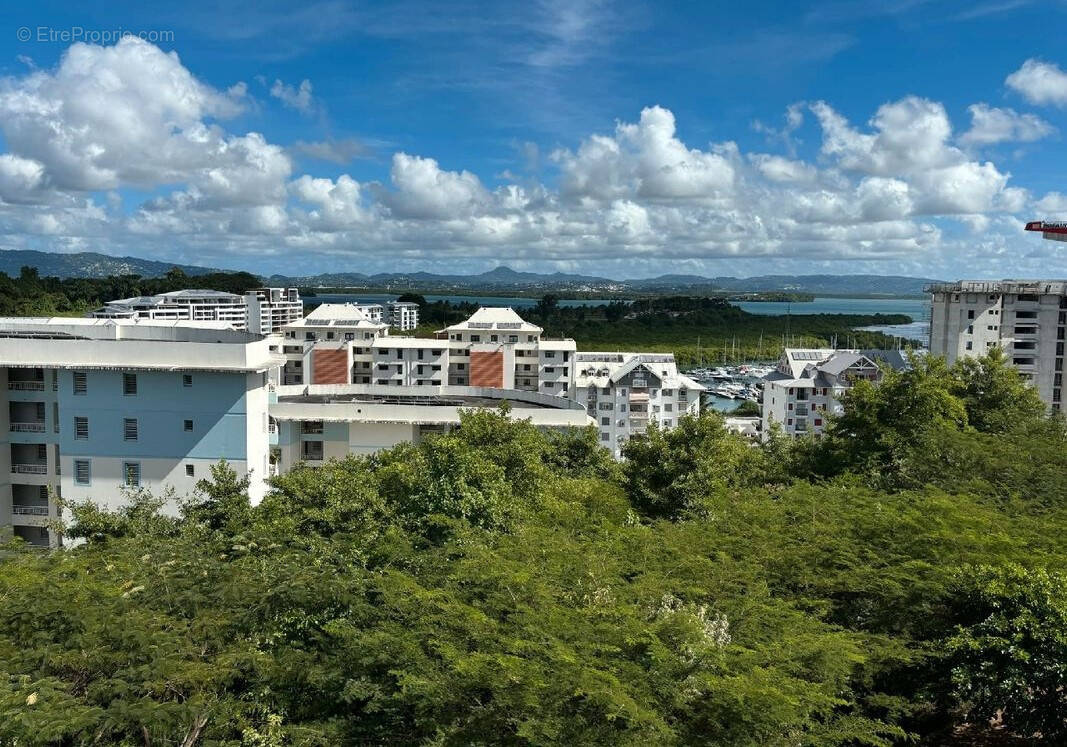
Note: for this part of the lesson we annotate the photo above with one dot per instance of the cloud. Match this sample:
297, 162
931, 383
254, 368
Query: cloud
990, 125
1040, 82
131, 119
342, 151
298, 98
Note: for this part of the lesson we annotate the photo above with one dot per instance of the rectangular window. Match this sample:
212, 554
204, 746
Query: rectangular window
187, 380
132, 473
188, 425
190, 471
82, 473
129, 384
81, 428
129, 429
81, 385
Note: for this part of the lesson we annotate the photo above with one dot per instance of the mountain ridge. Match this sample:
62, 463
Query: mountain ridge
499, 278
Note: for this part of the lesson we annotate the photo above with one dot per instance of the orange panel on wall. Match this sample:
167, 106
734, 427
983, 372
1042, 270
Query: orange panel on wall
487, 369
330, 367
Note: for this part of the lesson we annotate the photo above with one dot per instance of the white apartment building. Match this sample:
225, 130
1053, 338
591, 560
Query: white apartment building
1025, 318
331, 345
264, 310
94, 407
400, 315
495, 347
403, 315
320, 422
807, 385
270, 309
624, 392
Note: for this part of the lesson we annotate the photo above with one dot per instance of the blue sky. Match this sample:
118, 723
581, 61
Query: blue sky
618, 139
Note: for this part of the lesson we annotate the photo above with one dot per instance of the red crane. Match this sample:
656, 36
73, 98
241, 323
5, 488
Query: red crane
1055, 230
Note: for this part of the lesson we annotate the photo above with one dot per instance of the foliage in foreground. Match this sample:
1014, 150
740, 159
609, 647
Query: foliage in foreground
499, 585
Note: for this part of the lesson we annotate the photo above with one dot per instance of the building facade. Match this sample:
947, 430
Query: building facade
98, 407
271, 309
263, 310
624, 392
1027, 319
807, 385
331, 345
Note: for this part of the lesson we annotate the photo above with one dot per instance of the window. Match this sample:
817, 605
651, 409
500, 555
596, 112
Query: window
476, 338
129, 429
970, 314
604, 436
81, 385
605, 421
129, 384
81, 428
970, 345
187, 380
190, 470
82, 473
421, 353
187, 425
132, 474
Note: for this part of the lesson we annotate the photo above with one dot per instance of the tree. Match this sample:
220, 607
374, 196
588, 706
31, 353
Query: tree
672, 472
994, 395
1008, 653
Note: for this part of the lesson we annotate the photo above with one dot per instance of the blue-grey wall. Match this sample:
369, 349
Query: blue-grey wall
215, 403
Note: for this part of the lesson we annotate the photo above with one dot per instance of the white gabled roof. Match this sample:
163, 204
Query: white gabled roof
502, 319
340, 314
602, 369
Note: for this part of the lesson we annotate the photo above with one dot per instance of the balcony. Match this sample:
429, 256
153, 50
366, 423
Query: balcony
29, 510
28, 427
26, 386
29, 469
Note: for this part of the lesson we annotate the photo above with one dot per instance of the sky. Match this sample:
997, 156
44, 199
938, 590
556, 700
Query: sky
631, 139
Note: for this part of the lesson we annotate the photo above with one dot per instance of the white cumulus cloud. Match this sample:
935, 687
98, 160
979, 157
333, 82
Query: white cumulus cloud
1040, 82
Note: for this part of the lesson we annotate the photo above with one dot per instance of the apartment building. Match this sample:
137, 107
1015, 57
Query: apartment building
182, 305
495, 347
400, 315
807, 385
263, 310
96, 407
403, 315
321, 422
331, 345
1025, 318
624, 392
271, 309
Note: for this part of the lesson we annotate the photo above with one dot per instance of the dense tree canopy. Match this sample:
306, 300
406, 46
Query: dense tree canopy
899, 581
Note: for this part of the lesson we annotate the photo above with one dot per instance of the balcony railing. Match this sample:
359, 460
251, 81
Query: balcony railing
30, 510
26, 386
28, 427
30, 469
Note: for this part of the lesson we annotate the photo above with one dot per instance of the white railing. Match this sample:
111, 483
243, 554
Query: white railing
28, 427
30, 469
30, 510
26, 386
